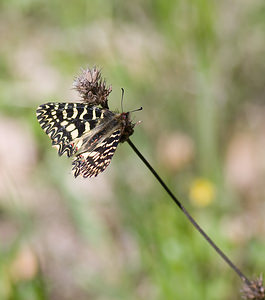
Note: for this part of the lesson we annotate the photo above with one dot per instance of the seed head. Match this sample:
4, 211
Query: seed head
254, 291
92, 88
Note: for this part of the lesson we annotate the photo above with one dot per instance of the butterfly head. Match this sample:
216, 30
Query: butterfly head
127, 125
125, 116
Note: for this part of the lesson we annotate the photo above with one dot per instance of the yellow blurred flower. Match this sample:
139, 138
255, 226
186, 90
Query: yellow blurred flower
202, 192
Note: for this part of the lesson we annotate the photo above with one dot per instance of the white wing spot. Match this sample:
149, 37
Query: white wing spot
85, 155
64, 123
74, 134
70, 127
87, 126
75, 113
64, 114
94, 114
93, 153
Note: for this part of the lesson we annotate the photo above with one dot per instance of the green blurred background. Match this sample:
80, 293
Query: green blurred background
197, 68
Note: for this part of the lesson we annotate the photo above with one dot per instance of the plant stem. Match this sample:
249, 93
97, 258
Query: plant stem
194, 223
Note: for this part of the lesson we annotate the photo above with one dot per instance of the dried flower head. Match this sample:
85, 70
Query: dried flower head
92, 88
255, 290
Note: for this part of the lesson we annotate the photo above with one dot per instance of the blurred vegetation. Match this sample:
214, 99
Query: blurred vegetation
197, 68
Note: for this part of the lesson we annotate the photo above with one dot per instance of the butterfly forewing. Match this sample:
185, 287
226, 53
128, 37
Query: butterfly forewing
66, 123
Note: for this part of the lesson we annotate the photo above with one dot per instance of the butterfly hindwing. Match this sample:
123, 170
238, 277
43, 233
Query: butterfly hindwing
91, 163
66, 122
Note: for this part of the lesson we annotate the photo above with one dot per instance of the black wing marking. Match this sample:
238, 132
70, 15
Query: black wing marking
91, 163
66, 122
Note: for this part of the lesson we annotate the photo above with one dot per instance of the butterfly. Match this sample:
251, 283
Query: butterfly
87, 133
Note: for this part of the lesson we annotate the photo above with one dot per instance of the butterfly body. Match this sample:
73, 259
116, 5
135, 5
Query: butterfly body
87, 133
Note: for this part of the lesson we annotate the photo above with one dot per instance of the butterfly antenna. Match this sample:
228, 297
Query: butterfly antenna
122, 97
122, 94
137, 109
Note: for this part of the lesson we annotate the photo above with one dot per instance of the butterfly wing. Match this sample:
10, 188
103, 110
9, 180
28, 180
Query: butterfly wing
90, 134
66, 123
91, 163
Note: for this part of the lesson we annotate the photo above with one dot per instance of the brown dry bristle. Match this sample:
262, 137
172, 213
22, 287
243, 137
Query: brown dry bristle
92, 88
254, 291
